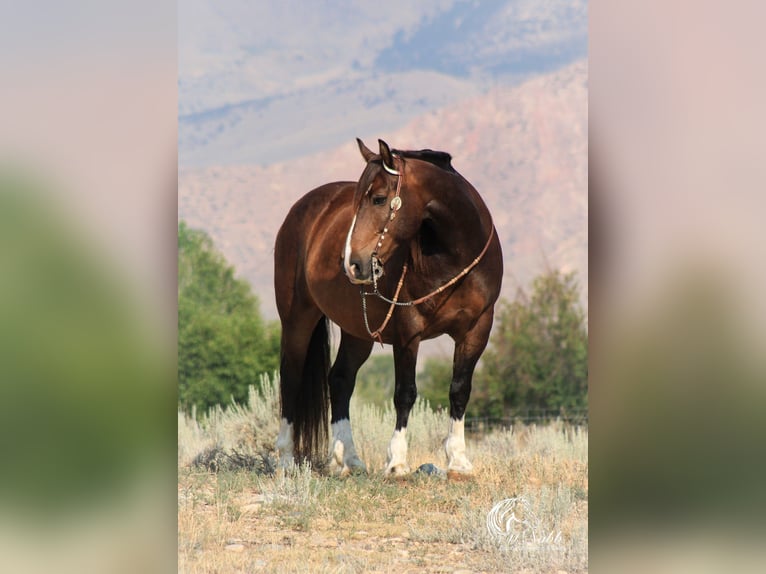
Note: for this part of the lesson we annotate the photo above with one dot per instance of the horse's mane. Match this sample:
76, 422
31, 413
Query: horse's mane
438, 158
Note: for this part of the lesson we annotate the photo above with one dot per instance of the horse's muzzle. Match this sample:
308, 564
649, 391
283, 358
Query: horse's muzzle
357, 271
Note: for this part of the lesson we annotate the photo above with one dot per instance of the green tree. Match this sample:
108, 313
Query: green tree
375, 380
538, 353
223, 342
434, 381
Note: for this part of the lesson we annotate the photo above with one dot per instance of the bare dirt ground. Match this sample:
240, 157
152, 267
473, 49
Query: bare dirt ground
248, 520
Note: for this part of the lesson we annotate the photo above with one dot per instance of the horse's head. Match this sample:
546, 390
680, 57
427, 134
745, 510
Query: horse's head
386, 215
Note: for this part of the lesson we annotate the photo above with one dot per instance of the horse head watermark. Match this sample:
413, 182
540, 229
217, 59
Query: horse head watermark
513, 522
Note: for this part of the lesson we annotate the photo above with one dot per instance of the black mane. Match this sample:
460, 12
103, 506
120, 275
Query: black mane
439, 158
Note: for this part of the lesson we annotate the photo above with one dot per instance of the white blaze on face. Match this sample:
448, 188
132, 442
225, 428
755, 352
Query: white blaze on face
455, 447
285, 444
347, 252
397, 453
343, 456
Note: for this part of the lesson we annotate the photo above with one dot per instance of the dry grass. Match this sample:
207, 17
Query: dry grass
304, 521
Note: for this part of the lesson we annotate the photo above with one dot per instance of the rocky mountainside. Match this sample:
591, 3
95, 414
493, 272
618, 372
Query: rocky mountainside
266, 82
523, 147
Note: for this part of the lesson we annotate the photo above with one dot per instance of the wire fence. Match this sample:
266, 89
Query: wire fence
573, 416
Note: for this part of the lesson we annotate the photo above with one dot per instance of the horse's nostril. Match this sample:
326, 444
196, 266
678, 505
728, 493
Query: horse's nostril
355, 266
357, 270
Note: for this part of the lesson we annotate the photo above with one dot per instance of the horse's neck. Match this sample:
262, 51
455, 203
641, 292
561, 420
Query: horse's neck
461, 225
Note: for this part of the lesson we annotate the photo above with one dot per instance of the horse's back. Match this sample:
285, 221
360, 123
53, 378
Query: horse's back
299, 230
305, 212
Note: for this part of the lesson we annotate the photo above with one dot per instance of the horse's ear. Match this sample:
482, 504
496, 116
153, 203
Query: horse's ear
385, 154
366, 152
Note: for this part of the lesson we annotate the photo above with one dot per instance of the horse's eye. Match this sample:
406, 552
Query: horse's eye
379, 200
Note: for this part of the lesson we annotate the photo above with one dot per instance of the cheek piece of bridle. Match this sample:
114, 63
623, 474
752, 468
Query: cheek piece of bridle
377, 267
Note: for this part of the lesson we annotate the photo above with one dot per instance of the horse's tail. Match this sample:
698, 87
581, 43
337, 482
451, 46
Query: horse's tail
313, 399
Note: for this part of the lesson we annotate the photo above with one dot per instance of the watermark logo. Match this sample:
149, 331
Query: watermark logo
513, 522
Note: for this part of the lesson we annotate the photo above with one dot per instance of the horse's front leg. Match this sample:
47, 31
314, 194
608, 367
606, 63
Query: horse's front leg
352, 353
405, 393
467, 353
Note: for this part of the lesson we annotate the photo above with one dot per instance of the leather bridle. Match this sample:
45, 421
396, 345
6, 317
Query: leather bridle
377, 266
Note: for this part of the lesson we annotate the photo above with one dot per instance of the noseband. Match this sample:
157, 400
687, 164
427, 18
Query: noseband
377, 266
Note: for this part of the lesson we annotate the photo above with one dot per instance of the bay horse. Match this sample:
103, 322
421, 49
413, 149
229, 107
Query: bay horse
407, 253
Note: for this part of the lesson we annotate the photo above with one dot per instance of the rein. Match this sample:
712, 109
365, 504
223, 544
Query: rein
377, 271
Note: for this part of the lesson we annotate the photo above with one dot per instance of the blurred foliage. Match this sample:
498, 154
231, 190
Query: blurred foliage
678, 404
434, 381
375, 380
84, 397
223, 342
537, 357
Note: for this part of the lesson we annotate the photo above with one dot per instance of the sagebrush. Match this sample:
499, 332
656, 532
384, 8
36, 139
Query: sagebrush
304, 520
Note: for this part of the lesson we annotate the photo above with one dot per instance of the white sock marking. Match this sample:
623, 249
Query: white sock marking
343, 456
397, 453
455, 447
285, 444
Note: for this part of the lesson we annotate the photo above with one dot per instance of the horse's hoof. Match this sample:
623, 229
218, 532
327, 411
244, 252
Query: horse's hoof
397, 471
348, 470
335, 470
460, 469
356, 466
341, 466
355, 471
460, 464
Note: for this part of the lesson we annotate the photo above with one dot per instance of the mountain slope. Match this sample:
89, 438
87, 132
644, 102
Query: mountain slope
262, 82
523, 147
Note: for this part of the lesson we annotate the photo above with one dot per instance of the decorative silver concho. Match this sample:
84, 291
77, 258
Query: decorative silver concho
377, 268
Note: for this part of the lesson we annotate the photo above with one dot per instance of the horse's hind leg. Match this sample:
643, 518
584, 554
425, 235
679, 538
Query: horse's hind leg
352, 353
467, 353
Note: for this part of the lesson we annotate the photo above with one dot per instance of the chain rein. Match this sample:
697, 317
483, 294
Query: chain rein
396, 203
